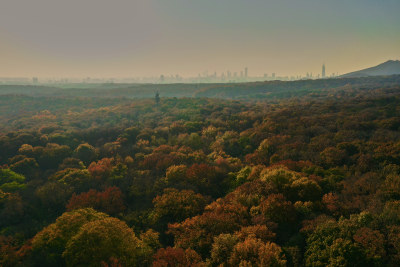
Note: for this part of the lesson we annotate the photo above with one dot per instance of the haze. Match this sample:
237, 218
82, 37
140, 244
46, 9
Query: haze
122, 38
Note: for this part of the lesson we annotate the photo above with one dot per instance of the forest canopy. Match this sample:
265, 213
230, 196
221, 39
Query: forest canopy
288, 174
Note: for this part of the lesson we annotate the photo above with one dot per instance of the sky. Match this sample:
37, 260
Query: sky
133, 38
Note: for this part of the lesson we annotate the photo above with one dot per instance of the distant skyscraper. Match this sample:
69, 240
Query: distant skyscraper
245, 72
323, 71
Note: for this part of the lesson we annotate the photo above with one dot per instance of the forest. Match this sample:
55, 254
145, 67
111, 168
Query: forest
303, 173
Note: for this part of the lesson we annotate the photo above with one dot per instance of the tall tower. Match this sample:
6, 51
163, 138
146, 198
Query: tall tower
246, 72
323, 71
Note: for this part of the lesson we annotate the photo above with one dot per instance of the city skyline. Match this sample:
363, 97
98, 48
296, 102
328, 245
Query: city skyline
223, 77
150, 38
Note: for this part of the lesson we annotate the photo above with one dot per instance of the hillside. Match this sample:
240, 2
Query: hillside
390, 67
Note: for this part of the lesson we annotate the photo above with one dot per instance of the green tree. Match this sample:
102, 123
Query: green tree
222, 248
11, 181
49, 244
86, 153
175, 206
101, 240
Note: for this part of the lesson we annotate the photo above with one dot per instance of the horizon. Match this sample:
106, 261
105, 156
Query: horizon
201, 78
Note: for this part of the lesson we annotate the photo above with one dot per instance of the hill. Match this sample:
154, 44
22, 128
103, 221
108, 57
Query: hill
389, 67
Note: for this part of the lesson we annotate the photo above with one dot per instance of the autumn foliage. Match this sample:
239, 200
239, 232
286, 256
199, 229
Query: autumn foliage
279, 181
109, 201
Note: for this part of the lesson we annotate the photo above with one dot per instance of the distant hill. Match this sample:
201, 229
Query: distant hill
389, 67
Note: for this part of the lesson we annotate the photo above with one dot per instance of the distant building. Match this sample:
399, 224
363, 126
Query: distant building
35, 79
273, 75
323, 71
246, 72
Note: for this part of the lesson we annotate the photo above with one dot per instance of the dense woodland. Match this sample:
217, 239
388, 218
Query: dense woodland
309, 176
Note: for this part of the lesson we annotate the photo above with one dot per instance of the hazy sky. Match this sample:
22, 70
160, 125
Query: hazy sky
128, 38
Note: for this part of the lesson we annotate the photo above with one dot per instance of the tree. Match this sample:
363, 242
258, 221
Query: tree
86, 153
391, 187
333, 156
279, 177
253, 252
176, 257
176, 175
331, 244
277, 209
198, 232
131, 134
27, 167
150, 238
305, 189
175, 206
8, 251
222, 248
345, 253
256, 231
11, 181
373, 243
79, 180
54, 195
101, 240
265, 150
50, 156
331, 202
13, 209
49, 244
206, 179
109, 201
101, 169
393, 244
